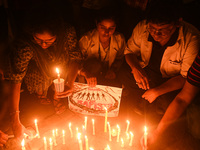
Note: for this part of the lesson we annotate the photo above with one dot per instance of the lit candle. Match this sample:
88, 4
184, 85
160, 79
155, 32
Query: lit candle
85, 123
93, 127
63, 135
80, 141
36, 127
45, 143
54, 138
58, 72
131, 141
128, 123
127, 136
56, 132
86, 143
70, 129
23, 144
109, 131
118, 133
122, 142
107, 148
106, 116
145, 137
50, 143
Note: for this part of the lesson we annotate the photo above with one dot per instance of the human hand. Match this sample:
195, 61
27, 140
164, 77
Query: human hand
67, 92
150, 95
3, 138
141, 78
91, 81
110, 74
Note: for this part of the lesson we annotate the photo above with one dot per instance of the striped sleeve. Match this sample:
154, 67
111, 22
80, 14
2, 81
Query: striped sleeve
194, 72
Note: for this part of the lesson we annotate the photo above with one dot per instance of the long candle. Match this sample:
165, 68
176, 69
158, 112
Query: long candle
122, 142
85, 123
131, 141
63, 135
80, 141
58, 72
23, 144
145, 137
50, 144
70, 129
128, 123
54, 138
93, 127
109, 131
36, 127
45, 143
106, 116
118, 133
86, 143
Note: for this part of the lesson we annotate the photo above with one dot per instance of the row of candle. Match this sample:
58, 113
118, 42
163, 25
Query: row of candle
55, 133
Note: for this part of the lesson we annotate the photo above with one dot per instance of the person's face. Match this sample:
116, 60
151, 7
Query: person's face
44, 39
161, 32
106, 28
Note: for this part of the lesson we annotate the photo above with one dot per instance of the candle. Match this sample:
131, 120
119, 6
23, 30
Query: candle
106, 116
50, 143
45, 143
56, 132
128, 123
145, 137
85, 123
86, 143
107, 148
70, 129
63, 135
122, 142
36, 127
23, 144
131, 141
109, 131
58, 72
93, 127
80, 141
118, 133
54, 138
127, 136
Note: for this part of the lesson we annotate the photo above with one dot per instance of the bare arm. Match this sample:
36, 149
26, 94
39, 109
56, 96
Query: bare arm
178, 106
137, 71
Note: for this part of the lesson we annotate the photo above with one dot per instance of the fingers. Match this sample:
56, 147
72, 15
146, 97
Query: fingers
92, 82
64, 94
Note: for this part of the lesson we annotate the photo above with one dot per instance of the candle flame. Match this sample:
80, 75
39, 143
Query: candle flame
128, 121
118, 126
122, 140
85, 136
131, 133
79, 136
23, 143
45, 139
108, 123
57, 70
50, 140
108, 147
63, 131
145, 129
93, 121
70, 125
35, 121
91, 148
105, 108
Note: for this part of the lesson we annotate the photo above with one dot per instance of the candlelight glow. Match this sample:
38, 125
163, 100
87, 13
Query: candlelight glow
79, 136
35, 121
23, 143
91, 148
70, 125
145, 129
57, 71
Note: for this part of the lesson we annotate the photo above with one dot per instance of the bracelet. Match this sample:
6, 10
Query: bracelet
14, 112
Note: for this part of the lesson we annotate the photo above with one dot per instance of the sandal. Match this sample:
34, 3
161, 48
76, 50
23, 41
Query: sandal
59, 106
43, 100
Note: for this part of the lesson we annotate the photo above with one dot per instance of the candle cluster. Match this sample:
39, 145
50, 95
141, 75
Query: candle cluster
114, 132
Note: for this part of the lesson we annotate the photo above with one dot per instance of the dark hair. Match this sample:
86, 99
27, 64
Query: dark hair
106, 13
163, 12
43, 19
